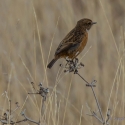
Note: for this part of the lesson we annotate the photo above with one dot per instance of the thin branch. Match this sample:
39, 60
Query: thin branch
98, 105
42, 92
28, 119
94, 114
11, 122
73, 66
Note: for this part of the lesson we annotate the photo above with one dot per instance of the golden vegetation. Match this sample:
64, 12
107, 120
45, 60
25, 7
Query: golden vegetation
30, 31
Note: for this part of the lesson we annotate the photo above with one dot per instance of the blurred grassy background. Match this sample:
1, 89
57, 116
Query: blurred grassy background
25, 41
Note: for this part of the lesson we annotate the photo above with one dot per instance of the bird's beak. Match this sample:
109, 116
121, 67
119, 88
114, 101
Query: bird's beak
94, 23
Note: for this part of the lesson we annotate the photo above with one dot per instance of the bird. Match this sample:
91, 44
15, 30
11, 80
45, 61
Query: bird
74, 42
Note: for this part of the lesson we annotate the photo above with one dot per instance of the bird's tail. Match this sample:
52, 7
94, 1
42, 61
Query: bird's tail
52, 63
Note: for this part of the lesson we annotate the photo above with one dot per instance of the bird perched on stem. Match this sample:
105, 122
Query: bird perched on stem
74, 42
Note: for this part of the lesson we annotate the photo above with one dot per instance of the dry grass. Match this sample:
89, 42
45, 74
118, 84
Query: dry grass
30, 31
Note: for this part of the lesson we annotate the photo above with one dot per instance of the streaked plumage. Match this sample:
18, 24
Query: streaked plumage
74, 42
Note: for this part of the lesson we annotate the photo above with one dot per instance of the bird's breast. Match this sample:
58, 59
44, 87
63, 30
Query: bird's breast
84, 41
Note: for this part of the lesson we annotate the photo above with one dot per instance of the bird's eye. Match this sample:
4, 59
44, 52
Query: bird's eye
89, 23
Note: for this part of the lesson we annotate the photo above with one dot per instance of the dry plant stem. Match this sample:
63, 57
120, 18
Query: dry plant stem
82, 77
21, 108
67, 99
109, 27
25, 119
57, 82
42, 109
98, 105
10, 107
43, 100
28, 119
15, 110
94, 114
41, 48
12, 123
42, 92
26, 93
108, 116
8, 120
81, 115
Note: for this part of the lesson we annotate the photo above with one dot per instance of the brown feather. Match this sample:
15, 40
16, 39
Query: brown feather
74, 42
51, 63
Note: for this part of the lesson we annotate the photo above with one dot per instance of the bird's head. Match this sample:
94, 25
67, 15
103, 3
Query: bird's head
85, 23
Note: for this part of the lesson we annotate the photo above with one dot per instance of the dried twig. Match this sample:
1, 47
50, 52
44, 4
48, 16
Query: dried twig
42, 92
73, 66
28, 119
8, 116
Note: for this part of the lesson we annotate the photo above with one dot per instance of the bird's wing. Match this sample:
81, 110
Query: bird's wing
67, 47
67, 40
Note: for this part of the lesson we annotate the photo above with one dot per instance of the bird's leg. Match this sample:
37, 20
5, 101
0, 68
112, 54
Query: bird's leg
76, 60
67, 60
